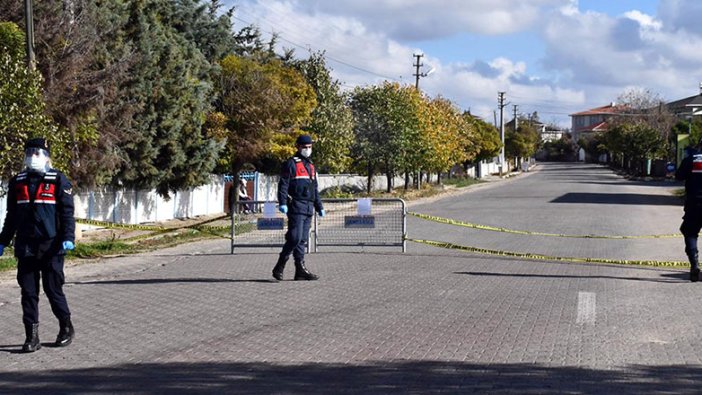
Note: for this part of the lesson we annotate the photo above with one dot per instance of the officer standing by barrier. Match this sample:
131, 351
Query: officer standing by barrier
40, 218
691, 171
298, 197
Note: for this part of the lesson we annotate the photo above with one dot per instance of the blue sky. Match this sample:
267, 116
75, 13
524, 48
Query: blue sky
555, 57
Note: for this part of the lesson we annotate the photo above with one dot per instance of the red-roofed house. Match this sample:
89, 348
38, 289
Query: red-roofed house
592, 121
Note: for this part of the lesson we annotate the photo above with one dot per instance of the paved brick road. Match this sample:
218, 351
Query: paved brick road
194, 319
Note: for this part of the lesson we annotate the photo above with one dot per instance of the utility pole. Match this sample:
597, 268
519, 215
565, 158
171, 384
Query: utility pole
417, 65
501, 104
29, 33
516, 121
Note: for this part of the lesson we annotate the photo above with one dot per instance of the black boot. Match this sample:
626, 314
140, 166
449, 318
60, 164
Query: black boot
66, 333
694, 265
301, 272
279, 267
31, 343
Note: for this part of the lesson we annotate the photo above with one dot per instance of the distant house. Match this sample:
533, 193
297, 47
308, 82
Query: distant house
591, 121
546, 132
586, 123
551, 133
687, 107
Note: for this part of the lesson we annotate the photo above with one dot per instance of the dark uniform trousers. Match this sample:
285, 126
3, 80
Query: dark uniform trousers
297, 236
50, 270
691, 225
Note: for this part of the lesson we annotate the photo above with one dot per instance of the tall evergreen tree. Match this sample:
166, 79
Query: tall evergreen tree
164, 146
21, 101
117, 73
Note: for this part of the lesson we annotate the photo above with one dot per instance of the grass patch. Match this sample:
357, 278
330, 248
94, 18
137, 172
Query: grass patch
8, 264
461, 182
150, 242
100, 248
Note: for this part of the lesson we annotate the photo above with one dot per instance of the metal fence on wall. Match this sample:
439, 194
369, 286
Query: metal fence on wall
348, 222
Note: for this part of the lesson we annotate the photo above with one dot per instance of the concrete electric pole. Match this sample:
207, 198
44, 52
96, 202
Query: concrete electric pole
501, 104
417, 74
29, 33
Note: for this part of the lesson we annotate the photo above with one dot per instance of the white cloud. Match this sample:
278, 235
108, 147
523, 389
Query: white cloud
588, 57
645, 21
681, 15
605, 52
422, 19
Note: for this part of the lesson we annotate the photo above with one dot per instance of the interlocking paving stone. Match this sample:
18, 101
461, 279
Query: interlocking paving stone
195, 319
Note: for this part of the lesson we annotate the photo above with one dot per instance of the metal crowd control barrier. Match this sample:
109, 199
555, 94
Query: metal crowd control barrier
348, 222
362, 222
251, 230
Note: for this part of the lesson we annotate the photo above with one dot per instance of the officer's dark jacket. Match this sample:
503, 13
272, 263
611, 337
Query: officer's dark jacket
297, 187
39, 214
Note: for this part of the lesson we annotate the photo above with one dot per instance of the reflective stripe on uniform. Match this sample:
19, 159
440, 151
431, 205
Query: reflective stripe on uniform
697, 164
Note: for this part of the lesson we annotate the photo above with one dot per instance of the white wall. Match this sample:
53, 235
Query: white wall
128, 206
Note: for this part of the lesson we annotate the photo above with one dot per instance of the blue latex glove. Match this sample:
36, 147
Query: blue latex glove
283, 209
68, 245
2, 249
322, 213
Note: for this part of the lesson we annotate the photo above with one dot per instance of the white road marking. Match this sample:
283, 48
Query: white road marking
586, 308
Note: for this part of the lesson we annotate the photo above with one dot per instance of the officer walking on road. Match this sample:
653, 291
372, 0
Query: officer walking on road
298, 197
691, 171
40, 218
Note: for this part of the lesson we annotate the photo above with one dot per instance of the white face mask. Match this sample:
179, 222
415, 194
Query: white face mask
37, 162
306, 152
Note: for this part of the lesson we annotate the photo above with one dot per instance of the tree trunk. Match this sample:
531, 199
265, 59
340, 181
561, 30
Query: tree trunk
234, 189
388, 174
406, 179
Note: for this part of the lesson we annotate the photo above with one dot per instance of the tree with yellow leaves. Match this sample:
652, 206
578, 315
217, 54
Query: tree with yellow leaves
261, 108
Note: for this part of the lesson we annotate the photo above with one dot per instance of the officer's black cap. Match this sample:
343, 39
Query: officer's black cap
305, 139
38, 143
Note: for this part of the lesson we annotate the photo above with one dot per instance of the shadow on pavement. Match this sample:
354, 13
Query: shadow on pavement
671, 277
398, 377
619, 198
169, 281
12, 348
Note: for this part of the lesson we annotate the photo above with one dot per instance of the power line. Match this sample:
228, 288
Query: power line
326, 56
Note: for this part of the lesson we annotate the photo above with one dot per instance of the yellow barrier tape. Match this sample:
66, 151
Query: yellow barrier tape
121, 226
198, 226
539, 257
526, 232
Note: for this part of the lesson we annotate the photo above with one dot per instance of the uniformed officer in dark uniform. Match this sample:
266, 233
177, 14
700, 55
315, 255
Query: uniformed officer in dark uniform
690, 170
40, 218
298, 197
